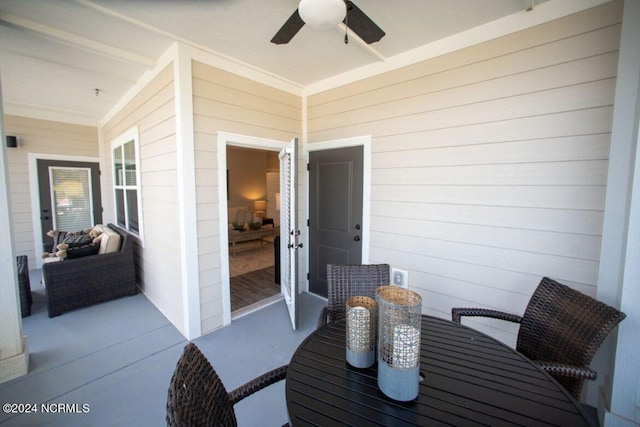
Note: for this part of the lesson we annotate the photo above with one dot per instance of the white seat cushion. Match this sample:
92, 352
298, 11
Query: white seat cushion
109, 239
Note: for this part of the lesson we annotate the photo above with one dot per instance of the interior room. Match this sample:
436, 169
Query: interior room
477, 152
253, 183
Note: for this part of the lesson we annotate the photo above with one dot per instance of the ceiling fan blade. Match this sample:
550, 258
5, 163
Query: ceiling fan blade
289, 29
362, 25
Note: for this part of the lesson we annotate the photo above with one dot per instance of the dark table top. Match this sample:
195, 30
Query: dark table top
470, 379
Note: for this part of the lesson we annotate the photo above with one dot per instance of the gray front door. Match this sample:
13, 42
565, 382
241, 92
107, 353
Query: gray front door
335, 212
69, 196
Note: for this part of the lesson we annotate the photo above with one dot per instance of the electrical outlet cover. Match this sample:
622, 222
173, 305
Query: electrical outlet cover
399, 278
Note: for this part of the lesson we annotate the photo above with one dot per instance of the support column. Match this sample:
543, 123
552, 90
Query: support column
14, 354
185, 140
624, 408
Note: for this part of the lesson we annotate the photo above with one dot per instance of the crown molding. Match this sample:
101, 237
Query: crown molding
54, 115
540, 14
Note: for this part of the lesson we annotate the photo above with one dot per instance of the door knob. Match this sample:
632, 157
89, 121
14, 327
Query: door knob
357, 226
357, 238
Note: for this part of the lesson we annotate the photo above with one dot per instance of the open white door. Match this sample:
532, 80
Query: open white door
289, 228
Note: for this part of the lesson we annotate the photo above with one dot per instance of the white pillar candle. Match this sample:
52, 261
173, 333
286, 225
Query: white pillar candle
358, 322
406, 346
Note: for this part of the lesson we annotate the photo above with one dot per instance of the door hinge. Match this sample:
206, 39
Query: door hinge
308, 223
308, 276
308, 166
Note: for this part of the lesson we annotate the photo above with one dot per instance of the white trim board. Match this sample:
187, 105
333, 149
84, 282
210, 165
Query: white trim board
181, 50
51, 114
170, 55
242, 69
203, 54
540, 14
187, 193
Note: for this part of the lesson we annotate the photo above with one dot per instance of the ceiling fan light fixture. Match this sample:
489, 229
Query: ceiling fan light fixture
322, 14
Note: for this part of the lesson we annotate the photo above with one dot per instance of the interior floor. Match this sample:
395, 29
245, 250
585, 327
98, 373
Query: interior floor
252, 276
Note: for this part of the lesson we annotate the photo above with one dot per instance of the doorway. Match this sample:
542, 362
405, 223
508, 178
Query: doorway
253, 181
225, 140
69, 196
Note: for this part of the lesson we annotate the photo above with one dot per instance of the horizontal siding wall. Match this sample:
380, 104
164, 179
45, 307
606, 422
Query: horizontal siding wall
41, 137
158, 262
489, 164
224, 102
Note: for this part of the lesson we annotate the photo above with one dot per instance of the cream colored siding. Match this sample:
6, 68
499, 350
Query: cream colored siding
489, 164
41, 137
158, 260
224, 102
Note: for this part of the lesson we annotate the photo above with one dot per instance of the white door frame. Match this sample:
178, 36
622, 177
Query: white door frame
365, 142
225, 139
35, 194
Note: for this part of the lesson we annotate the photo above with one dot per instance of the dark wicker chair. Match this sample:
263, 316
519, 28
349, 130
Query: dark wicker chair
561, 330
24, 284
197, 396
345, 281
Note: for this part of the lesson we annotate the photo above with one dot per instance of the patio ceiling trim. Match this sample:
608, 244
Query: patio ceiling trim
542, 13
72, 39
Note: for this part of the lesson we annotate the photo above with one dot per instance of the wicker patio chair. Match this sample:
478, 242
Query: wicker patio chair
197, 396
561, 330
345, 281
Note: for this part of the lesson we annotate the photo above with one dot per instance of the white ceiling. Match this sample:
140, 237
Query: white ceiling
55, 53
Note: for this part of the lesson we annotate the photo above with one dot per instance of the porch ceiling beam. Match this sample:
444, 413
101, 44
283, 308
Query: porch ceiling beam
353, 37
63, 37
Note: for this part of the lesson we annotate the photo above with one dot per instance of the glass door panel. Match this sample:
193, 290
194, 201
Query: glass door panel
71, 198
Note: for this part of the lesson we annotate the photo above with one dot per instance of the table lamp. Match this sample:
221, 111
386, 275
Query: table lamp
260, 207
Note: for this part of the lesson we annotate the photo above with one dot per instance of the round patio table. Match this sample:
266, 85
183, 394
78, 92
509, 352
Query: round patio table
469, 379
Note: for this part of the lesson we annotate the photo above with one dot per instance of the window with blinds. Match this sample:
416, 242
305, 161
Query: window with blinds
71, 198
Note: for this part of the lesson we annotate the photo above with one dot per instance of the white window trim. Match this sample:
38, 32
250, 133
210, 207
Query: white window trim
130, 135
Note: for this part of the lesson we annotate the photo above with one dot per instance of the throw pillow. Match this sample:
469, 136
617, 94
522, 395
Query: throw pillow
75, 240
65, 237
58, 237
81, 251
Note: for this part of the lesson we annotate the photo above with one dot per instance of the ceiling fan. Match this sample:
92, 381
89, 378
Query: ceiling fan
326, 14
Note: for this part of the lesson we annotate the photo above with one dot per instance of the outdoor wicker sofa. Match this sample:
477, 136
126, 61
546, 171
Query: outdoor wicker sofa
78, 282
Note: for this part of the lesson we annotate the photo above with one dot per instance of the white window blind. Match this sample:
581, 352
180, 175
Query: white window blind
71, 198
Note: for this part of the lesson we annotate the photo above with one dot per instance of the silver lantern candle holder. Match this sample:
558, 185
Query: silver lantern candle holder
399, 319
361, 331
